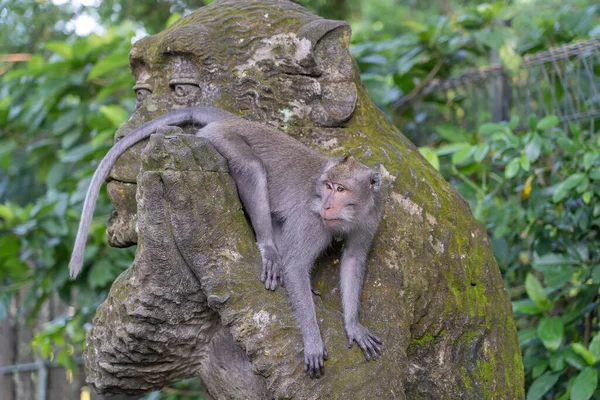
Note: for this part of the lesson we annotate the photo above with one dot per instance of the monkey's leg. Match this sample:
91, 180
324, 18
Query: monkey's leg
351, 280
297, 285
250, 177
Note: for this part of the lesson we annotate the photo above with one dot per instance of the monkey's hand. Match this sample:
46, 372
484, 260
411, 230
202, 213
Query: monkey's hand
271, 266
369, 344
315, 355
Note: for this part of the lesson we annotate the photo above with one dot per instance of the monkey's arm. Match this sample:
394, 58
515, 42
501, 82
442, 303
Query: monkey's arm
195, 115
250, 177
351, 280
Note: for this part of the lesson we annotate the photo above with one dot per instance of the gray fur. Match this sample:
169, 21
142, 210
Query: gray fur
283, 187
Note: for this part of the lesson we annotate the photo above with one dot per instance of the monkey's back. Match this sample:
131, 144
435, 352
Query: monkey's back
293, 169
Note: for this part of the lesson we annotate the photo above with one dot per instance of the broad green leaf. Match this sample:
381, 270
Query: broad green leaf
463, 155
481, 152
596, 274
542, 385
431, 156
548, 122
585, 384
115, 114
551, 331
77, 153
536, 292
526, 307
595, 173
567, 145
587, 355
108, 64
490, 128
587, 197
595, 347
62, 48
539, 368
451, 133
526, 335
563, 188
512, 168
451, 148
524, 162
533, 148
174, 17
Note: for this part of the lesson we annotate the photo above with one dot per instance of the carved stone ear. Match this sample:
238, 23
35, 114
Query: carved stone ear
376, 181
317, 28
330, 40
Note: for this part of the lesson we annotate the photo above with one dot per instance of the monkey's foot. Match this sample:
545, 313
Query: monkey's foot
314, 359
369, 343
271, 266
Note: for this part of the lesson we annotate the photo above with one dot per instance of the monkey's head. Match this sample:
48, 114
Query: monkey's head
348, 193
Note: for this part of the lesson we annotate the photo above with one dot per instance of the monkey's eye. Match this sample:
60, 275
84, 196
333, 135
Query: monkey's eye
340, 189
329, 185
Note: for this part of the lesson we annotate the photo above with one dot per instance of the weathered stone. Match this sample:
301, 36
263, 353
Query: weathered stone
192, 303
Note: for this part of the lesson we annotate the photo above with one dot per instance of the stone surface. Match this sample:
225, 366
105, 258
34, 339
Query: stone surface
192, 303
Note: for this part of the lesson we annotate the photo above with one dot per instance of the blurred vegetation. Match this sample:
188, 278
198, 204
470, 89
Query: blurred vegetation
536, 190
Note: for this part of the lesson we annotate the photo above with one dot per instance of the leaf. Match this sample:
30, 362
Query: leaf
548, 122
62, 48
108, 64
463, 155
115, 114
595, 173
526, 335
587, 355
551, 331
512, 168
490, 128
585, 384
595, 347
100, 274
524, 162
542, 385
539, 368
451, 133
533, 148
536, 292
564, 187
430, 155
596, 274
481, 152
526, 307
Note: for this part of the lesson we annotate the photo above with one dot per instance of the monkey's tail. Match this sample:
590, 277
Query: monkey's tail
195, 115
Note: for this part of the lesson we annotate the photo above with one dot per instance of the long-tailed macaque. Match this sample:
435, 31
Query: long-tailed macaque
297, 200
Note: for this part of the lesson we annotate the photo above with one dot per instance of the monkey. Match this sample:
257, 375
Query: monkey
297, 200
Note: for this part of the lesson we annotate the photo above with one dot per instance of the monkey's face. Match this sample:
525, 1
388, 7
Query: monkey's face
349, 192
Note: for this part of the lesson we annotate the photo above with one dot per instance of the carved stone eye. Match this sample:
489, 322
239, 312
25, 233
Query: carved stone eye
185, 92
140, 95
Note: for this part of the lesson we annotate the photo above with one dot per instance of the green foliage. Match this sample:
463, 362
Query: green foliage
538, 194
427, 46
58, 113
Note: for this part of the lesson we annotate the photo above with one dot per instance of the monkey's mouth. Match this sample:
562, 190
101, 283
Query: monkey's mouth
331, 221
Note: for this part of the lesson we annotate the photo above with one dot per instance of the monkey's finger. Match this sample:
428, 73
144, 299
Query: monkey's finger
375, 339
350, 342
325, 356
263, 273
273, 283
365, 349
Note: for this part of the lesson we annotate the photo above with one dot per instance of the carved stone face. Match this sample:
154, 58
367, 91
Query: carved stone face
270, 61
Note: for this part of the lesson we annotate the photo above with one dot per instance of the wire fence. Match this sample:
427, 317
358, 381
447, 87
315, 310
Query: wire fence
563, 81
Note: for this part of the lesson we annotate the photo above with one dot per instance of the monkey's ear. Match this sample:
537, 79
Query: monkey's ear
376, 181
